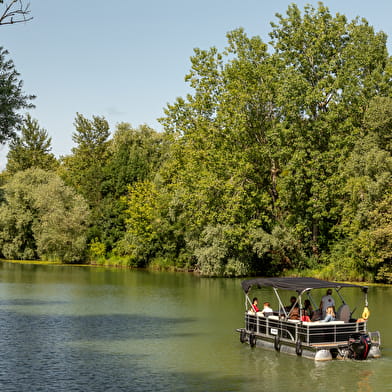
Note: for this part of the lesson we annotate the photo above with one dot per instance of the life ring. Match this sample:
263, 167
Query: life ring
298, 347
277, 343
252, 340
365, 313
242, 336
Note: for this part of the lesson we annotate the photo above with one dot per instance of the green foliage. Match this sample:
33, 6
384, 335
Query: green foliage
134, 155
102, 170
97, 252
378, 120
42, 218
12, 98
30, 149
261, 143
83, 170
141, 234
278, 161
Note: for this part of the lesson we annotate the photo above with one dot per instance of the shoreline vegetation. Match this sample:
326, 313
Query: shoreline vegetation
117, 266
279, 162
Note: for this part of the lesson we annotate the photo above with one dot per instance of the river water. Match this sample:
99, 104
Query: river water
69, 328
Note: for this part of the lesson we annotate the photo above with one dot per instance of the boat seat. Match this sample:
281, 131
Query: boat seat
322, 323
343, 313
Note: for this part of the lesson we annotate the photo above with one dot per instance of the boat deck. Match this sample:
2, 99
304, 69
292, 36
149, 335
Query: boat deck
315, 334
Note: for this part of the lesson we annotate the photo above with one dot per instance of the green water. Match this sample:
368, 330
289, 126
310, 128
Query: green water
92, 329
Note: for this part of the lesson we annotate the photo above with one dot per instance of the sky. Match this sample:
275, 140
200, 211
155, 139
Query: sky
126, 60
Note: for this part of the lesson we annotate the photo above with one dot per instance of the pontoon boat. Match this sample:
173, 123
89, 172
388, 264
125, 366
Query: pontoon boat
346, 337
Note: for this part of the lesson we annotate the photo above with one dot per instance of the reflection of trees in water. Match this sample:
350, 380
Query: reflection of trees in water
363, 383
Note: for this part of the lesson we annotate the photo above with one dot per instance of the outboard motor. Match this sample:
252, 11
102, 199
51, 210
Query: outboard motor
359, 345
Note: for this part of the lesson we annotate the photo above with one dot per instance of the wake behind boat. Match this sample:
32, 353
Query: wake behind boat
344, 337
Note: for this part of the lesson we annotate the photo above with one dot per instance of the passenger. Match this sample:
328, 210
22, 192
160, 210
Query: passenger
330, 315
327, 301
316, 315
293, 300
308, 308
267, 310
254, 307
294, 313
305, 316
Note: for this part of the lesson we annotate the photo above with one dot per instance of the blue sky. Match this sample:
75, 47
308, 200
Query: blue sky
125, 59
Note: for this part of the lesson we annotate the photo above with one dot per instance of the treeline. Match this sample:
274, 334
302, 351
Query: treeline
279, 161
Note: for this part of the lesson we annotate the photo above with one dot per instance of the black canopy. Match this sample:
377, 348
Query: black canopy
295, 284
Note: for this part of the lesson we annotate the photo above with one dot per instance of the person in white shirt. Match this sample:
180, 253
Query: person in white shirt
327, 301
266, 309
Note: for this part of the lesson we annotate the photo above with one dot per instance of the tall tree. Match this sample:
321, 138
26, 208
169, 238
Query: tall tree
329, 69
133, 155
254, 174
84, 169
30, 149
223, 169
12, 98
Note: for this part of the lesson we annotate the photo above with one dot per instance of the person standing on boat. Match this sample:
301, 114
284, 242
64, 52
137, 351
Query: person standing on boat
254, 307
327, 301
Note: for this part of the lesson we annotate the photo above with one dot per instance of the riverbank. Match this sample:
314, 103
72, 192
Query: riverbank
173, 269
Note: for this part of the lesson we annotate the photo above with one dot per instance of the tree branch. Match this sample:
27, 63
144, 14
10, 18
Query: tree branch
15, 12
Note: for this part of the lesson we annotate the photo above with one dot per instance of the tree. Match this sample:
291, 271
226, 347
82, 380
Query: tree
139, 241
42, 218
329, 69
364, 249
14, 12
255, 171
84, 169
30, 149
134, 154
378, 121
222, 169
12, 98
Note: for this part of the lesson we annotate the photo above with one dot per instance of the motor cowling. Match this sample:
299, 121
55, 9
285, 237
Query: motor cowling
359, 345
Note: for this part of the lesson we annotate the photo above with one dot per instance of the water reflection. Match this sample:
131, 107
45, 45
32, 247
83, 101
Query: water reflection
83, 329
29, 302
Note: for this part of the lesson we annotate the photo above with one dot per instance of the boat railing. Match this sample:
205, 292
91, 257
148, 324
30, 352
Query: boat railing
310, 333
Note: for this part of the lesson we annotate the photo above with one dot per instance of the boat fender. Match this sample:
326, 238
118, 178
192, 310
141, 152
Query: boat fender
242, 336
277, 343
365, 313
298, 347
252, 340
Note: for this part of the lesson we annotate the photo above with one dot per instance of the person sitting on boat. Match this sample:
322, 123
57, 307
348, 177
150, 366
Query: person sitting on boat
254, 307
308, 308
294, 313
327, 301
293, 300
267, 310
330, 315
305, 316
